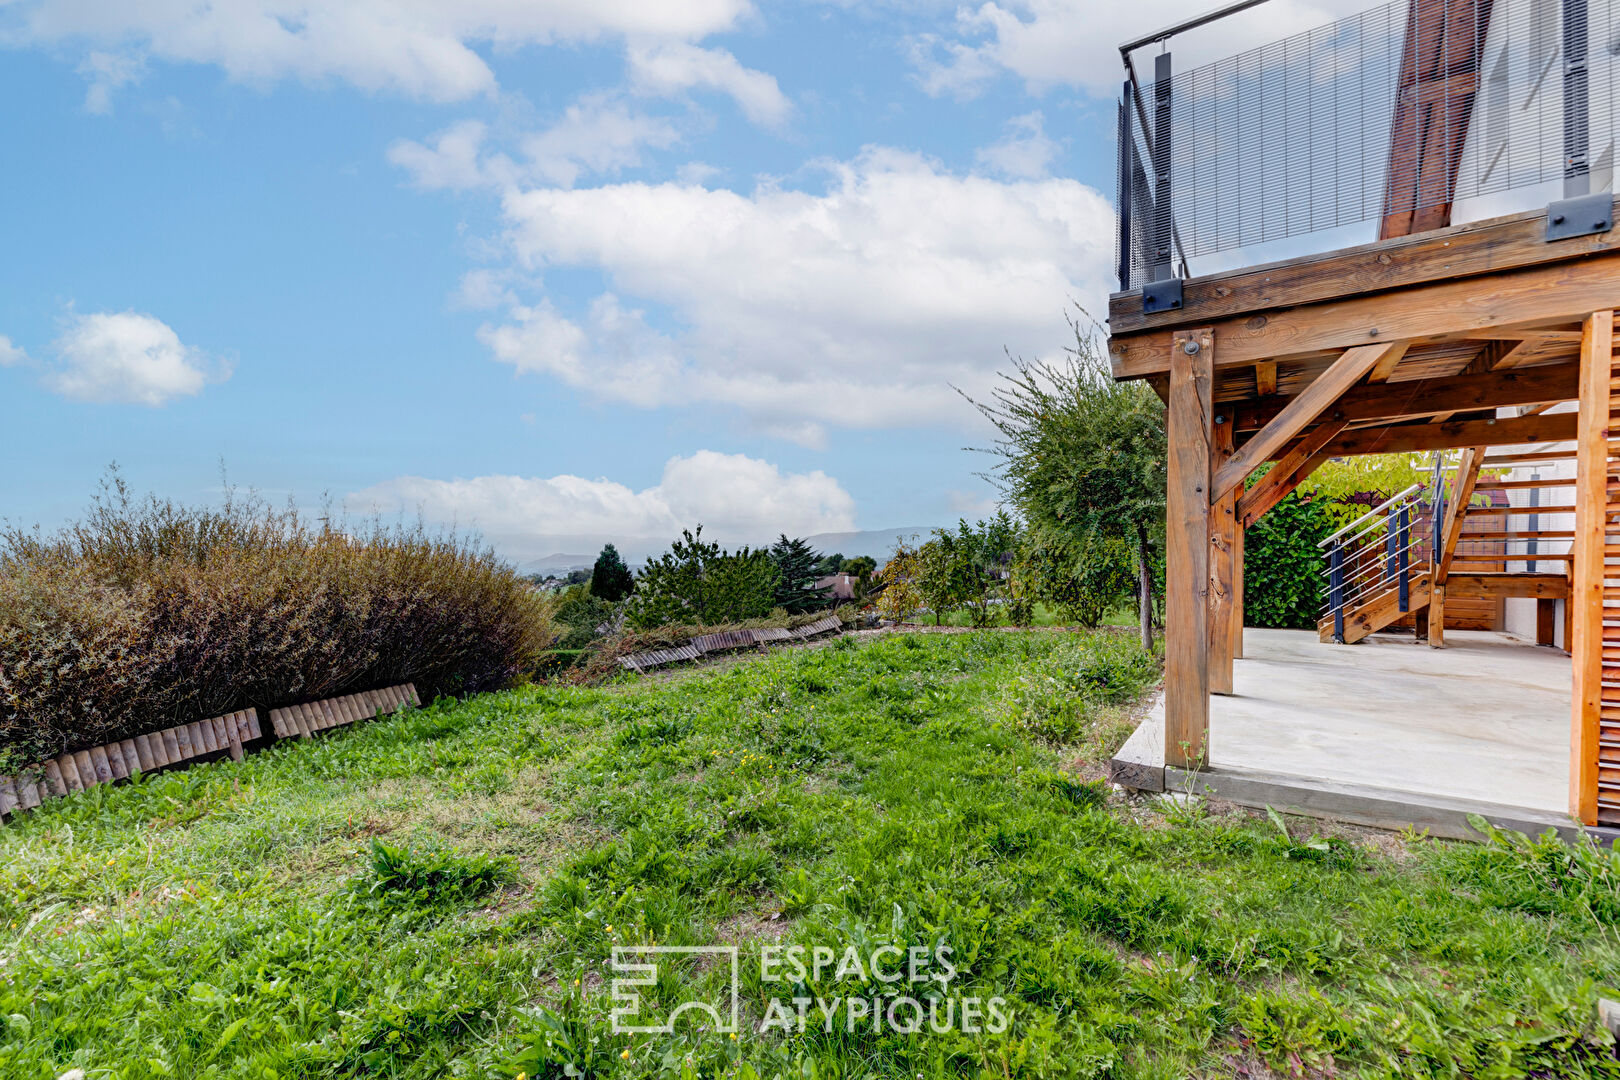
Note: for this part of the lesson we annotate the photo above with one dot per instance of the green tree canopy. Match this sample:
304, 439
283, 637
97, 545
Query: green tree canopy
699, 583
1082, 459
610, 579
796, 568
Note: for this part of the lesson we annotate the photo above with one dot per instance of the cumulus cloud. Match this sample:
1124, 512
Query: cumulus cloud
1024, 153
420, 48
126, 357
106, 72
1075, 43
10, 355
598, 134
737, 499
671, 67
858, 305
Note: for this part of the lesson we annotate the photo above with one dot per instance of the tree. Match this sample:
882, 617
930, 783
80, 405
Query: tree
1083, 459
699, 583
795, 561
968, 567
863, 567
830, 564
611, 580
900, 597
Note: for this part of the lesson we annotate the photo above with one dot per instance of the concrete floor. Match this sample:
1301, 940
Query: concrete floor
1485, 719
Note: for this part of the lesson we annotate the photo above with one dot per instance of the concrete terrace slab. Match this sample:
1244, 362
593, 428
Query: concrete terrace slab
1388, 732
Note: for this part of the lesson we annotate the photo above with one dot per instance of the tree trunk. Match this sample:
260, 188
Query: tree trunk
1144, 589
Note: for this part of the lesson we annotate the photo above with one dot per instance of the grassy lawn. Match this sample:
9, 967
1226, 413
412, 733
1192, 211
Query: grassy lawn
1044, 616
439, 895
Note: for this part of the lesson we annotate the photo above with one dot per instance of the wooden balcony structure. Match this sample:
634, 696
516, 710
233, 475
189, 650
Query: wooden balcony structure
1456, 337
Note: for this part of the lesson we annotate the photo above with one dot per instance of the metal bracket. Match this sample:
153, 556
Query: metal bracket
1568, 218
1164, 295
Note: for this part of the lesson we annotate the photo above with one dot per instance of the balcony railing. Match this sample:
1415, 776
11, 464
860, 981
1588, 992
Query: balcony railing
1409, 116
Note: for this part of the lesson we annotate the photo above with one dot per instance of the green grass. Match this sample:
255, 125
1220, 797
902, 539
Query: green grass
1044, 616
438, 894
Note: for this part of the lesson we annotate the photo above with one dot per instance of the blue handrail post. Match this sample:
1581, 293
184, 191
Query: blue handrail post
1402, 525
1336, 588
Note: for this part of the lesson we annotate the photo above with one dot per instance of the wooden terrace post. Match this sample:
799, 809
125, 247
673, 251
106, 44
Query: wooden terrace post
1237, 588
1586, 565
1187, 547
1223, 543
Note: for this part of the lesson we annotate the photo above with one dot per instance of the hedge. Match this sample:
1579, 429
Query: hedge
149, 613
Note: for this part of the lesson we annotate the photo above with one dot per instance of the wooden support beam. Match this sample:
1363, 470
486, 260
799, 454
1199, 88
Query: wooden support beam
1542, 296
1462, 490
1407, 438
1265, 378
1301, 410
1437, 616
1286, 475
1586, 569
1428, 397
1497, 585
1386, 367
1223, 529
1492, 246
1237, 592
1186, 591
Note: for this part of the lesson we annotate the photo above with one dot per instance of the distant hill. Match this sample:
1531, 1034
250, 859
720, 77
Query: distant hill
878, 543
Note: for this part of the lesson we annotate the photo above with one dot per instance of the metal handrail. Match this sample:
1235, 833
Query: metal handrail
1374, 512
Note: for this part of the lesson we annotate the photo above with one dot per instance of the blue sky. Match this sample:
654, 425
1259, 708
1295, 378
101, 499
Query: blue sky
557, 269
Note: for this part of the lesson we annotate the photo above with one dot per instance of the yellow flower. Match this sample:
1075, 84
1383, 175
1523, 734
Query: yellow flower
733, 1036
610, 928
624, 1053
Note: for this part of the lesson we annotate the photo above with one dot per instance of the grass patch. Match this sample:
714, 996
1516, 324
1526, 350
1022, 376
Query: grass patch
439, 894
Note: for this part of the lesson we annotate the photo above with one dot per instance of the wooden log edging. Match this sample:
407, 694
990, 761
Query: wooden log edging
726, 640
303, 721
81, 770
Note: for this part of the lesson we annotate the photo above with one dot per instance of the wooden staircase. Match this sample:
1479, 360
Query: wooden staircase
1382, 609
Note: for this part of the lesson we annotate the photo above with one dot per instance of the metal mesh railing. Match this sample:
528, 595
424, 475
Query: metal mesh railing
1409, 115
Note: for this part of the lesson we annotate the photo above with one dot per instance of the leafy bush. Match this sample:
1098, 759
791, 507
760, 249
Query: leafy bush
1282, 565
1084, 583
433, 876
580, 611
696, 582
149, 613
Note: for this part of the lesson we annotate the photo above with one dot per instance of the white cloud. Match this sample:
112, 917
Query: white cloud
595, 135
1075, 43
126, 357
421, 48
1024, 153
10, 354
452, 162
737, 499
106, 72
672, 67
856, 306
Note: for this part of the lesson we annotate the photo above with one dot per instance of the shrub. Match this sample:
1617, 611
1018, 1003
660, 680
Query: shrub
1282, 565
700, 583
148, 613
